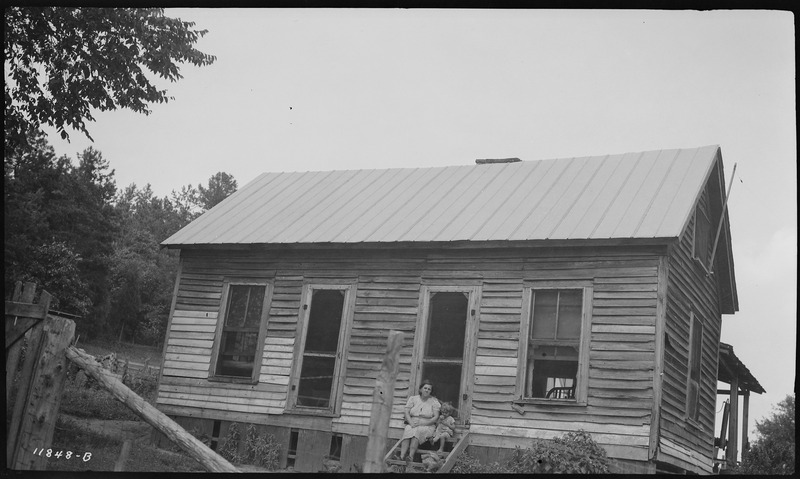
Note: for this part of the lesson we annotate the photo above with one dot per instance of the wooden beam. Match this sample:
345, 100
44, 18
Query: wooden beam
34, 342
745, 413
196, 449
44, 396
382, 399
17, 327
658, 370
453, 456
733, 431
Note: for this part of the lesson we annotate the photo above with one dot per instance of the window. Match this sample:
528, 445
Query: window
702, 235
239, 343
694, 369
555, 352
323, 324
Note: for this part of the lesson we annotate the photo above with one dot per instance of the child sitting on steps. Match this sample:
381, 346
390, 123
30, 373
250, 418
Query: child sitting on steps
445, 427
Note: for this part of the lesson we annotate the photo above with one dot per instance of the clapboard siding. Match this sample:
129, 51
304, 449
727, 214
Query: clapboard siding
388, 286
689, 288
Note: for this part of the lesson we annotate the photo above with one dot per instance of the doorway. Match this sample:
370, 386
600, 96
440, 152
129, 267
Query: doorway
446, 346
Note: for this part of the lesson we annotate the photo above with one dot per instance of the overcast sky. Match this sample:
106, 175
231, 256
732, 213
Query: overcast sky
297, 90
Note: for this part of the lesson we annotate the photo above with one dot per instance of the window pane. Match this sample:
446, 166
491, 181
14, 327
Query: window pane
697, 345
544, 314
254, 307
447, 325
324, 321
555, 375
446, 379
569, 314
316, 381
237, 354
237, 306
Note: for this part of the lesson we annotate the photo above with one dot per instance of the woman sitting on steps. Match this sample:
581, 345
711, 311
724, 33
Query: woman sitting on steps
421, 412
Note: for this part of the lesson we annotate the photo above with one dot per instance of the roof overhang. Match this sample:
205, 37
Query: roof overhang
571, 243
731, 367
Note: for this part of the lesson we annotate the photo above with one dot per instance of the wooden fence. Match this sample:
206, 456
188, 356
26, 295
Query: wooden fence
43, 341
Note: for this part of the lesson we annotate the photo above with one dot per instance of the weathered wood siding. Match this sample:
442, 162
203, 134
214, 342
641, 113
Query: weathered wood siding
621, 353
689, 443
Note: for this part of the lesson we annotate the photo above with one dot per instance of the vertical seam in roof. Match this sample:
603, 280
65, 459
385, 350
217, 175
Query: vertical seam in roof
672, 200
323, 211
215, 233
526, 194
313, 202
291, 180
655, 194
577, 197
421, 188
635, 193
386, 195
547, 191
501, 205
616, 195
599, 191
343, 227
445, 195
466, 204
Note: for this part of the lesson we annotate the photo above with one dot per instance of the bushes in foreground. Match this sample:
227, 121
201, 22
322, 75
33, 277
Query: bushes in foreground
572, 453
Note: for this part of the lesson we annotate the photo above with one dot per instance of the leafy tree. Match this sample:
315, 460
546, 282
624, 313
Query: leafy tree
63, 62
59, 225
774, 450
220, 186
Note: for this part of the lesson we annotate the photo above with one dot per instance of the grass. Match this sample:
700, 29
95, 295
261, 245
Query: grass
89, 399
70, 436
138, 353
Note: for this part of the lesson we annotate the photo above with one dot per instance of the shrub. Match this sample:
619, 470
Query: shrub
260, 450
572, 453
230, 448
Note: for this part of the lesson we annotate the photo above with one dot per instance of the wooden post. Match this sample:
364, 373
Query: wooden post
44, 398
733, 425
745, 413
382, 399
23, 295
199, 451
34, 344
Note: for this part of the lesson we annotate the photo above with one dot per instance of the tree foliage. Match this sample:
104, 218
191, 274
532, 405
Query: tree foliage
61, 63
59, 224
774, 450
94, 248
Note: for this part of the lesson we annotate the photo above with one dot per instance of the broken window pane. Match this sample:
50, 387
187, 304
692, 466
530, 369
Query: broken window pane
316, 379
448, 322
320, 348
324, 320
239, 342
554, 344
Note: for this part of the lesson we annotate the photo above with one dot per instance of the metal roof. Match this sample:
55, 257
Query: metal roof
730, 366
632, 195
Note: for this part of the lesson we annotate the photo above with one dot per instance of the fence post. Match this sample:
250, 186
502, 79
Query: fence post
33, 339
44, 398
382, 399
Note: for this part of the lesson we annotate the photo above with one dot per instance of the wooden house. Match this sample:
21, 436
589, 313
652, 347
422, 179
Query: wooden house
540, 297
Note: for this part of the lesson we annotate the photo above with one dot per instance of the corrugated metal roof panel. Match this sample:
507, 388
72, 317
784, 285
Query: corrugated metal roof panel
633, 195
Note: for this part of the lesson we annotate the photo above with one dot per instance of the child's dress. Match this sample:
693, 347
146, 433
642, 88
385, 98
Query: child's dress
445, 427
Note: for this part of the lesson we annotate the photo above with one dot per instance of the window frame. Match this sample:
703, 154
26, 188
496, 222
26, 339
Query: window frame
337, 387
694, 364
227, 283
582, 376
473, 293
706, 256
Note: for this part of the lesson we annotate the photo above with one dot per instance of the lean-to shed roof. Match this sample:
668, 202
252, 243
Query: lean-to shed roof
623, 196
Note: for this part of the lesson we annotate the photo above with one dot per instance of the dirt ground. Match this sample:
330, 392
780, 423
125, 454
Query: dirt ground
135, 431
